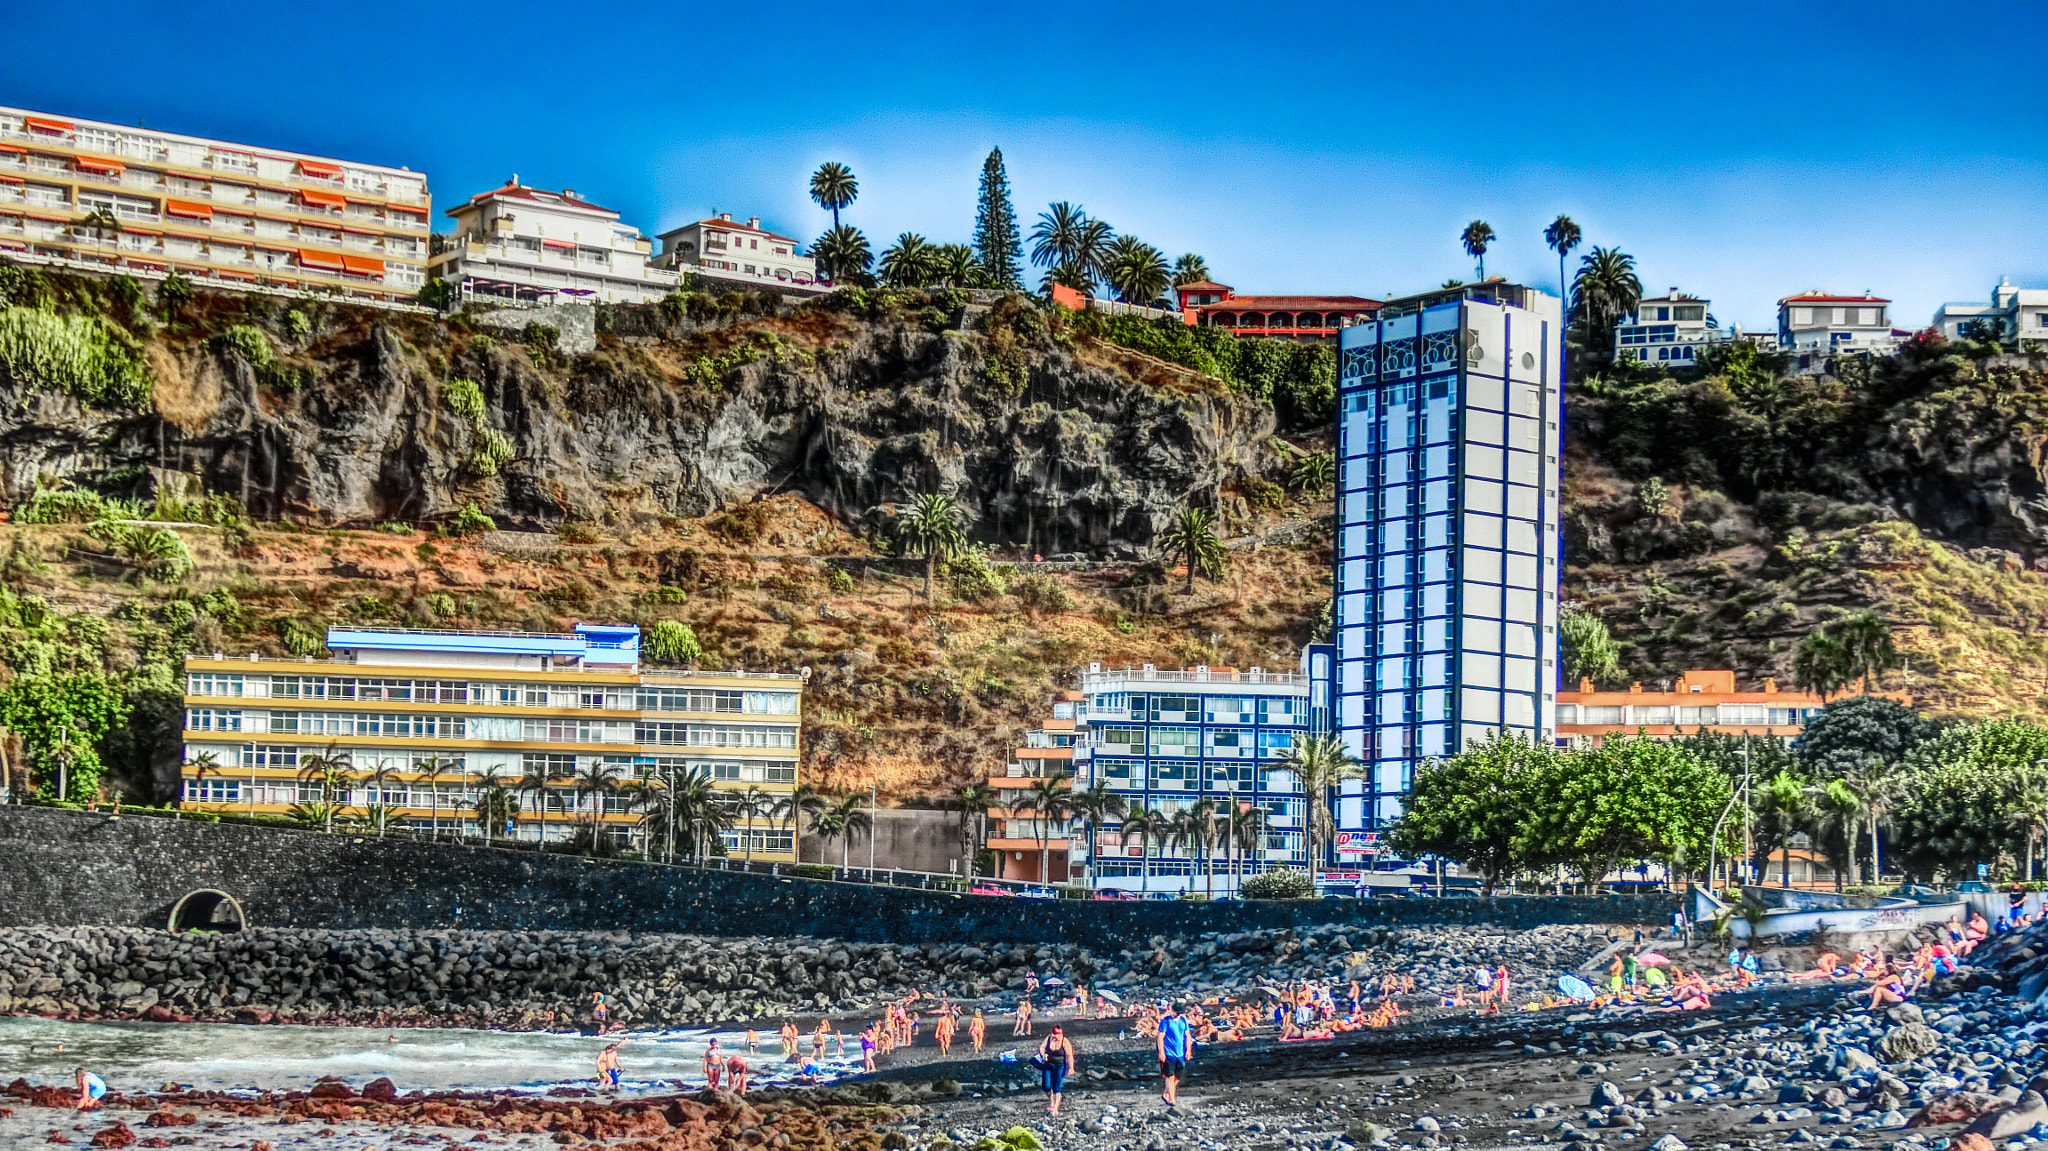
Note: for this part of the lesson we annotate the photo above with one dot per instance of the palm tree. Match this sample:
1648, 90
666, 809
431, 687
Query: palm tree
954, 266
1097, 805
1052, 800
536, 780
1192, 536
749, 805
99, 221
789, 810
1782, 809
204, 764
1874, 786
1867, 648
598, 780
431, 768
1605, 290
1190, 269
495, 805
385, 774
329, 770
842, 254
834, 187
1195, 826
700, 810
931, 527
1837, 816
1091, 256
973, 800
1056, 237
1477, 235
842, 819
1562, 235
2026, 798
1821, 664
1136, 270
1150, 827
1321, 764
909, 262
1245, 828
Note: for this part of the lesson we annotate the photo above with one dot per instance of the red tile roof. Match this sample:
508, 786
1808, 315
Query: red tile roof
1824, 298
1201, 286
1290, 303
539, 196
736, 226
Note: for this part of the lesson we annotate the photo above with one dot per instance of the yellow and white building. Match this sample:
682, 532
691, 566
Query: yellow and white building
425, 721
123, 197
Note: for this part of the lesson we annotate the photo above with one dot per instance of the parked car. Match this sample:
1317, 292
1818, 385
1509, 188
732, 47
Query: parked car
1115, 893
986, 889
1038, 893
1974, 887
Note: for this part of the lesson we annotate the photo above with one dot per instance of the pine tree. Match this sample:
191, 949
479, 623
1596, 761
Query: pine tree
997, 243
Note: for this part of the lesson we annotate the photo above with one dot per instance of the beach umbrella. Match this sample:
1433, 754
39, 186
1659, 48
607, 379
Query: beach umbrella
1651, 959
1574, 987
1052, 981
1112, 996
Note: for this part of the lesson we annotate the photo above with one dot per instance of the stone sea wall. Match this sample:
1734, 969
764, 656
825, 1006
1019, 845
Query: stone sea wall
75, 869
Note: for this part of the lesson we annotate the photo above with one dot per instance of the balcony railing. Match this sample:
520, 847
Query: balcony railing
1196, 675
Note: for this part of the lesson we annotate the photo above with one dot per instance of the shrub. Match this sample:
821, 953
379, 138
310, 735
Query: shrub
249, 342
396, 528
158, 553
173, 294
300, 639
465, 399
471, 520
1283, 883
1039, 592
438, 294
492, 451
297, 325
66, 507
839, 581
570, 533
673, 642
972, 577
82, 356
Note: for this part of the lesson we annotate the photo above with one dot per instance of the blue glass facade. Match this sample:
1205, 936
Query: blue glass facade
1447, 530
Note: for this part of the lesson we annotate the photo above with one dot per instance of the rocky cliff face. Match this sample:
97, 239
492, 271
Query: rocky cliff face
1054, 445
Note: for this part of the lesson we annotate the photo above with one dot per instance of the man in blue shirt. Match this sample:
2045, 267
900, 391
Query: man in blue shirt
1176, 1050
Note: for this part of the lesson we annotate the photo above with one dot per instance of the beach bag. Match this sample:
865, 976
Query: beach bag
1040, 1062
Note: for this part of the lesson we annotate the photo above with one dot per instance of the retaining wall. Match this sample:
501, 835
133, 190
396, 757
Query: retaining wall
74, 869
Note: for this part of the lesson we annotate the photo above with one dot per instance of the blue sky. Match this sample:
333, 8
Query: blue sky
1741, 151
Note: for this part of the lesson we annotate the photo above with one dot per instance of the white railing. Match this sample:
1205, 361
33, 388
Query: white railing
1196, 675
101, 263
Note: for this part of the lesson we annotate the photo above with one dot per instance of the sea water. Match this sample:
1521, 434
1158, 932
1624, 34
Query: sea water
134, 1056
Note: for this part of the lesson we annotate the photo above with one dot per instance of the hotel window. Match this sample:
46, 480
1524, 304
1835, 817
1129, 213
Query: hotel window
1598, 715
1567, 713
207, 683
212, 719
1176, 741
269, 755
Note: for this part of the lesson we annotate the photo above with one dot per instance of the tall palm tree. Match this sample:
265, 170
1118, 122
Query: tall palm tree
1195, 826
1051, 800
1150, 827
843, 254
1605, 289
1782, 810
1097, 805
1875, 786
537, 781
1056, 237
699, 810
747, 806
1092, 250
649, 794
495, 805
1562, 235
1136, 270
1837, 815
791, 808
1245, 829
203, 764
1192, 536
1190, 269
973, 800
99, 221
931, 527
1477, 235
1867, 648
384, 775
329, 771
1821, 664
431, 768
597, 781
2026, 801
843, 818
909, 263
1321, 764
834, 187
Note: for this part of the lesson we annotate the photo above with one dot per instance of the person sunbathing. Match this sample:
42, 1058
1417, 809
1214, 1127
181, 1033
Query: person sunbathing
1823, 967
1885, 988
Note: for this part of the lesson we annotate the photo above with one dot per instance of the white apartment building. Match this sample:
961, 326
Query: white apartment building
528, 245
1670, 329
2023, 312
1816, 326
740, 255
119, 197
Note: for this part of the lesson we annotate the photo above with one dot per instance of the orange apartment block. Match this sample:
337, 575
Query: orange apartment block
1699, 700
1048, 752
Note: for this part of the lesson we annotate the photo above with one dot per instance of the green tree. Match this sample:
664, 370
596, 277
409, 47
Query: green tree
1850, 733
380, 779
1195, 828
2026, 800
1470, 807
1562, 236
1192, 536
496, 805
1955, 797
329, 772
931, 528
674, 642
1588, 650
955, 266
973, 800
62, 720
1092, 257
1321, 764
1151, 828
1820, 664
173, 294
1135, 270
1050, 802
1097, 805
1057, 236
1632, 797
1244, 827
843, 818
1190, 269
596, 781
1477, 236
834, 187
998, 246
843, 255
1782, 810
1605, 289
908, 263
1867, 648
1653, 500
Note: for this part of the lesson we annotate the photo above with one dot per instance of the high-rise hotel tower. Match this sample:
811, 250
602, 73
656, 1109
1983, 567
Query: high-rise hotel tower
1448, 439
